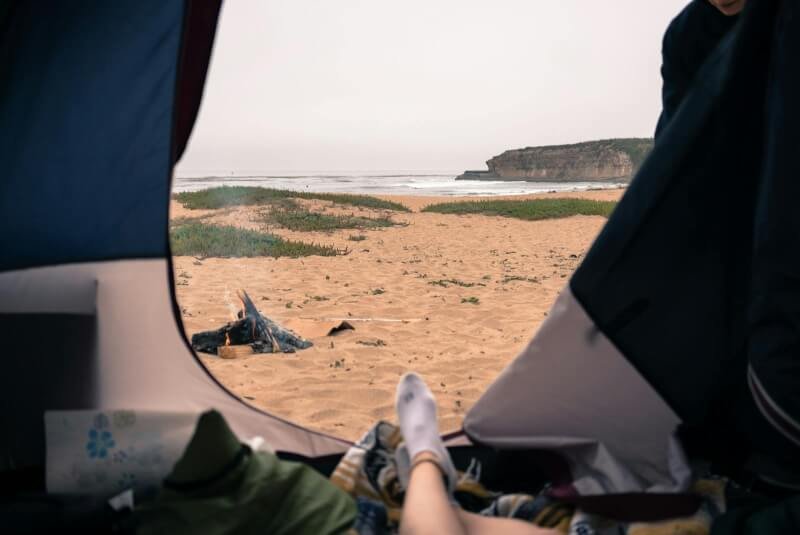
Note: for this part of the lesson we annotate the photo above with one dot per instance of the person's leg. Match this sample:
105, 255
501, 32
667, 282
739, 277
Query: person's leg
416, 410
427, 507
477, 524
424, 466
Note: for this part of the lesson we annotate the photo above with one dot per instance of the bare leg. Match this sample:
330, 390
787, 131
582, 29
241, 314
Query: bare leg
427, 508
477, 524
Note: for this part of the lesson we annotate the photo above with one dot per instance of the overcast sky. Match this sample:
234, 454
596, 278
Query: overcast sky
423, 84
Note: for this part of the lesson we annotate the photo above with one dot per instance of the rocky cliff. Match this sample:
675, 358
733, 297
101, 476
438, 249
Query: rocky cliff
604, 160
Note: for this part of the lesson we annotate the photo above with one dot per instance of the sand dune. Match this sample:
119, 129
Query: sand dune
397, 288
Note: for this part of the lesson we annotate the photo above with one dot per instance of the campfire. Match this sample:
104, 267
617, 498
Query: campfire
251, 329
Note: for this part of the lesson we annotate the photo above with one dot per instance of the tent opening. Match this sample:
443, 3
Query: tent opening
326, 179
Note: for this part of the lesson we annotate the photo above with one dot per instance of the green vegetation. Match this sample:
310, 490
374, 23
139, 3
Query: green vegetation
530, 209
470, 300
444, 283
181, 221
305, 220
200, 239
513, 278
223, 196
377, 342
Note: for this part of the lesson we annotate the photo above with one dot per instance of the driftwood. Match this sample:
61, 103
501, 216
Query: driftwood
252, 328
234, 352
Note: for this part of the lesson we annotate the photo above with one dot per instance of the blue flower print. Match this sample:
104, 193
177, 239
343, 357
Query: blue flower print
119, 456
100, 421
99, 444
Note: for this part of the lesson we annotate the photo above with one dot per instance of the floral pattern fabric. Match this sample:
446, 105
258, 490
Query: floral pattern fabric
107, 452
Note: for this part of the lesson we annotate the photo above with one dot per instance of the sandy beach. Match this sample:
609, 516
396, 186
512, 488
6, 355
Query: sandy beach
453, 297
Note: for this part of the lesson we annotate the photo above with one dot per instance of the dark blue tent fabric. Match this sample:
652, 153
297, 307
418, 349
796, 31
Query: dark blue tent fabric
690, 39
774, 343
199, 27
692, 278
86, 112
666, 279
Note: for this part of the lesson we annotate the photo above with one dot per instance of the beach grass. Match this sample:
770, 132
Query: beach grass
515, 278
528, 209
304, 220
204, 240
223, 196
444, 283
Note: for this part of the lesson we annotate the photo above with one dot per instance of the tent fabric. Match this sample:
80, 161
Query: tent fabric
667, 280
690, 38
199, 28
572, 391
663, 280
774, 312
131, 355
87, 128
103, 99
694, 279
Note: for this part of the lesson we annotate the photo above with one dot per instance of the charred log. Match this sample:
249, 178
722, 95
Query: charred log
252, 328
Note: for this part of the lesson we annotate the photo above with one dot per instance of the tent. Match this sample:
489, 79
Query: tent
657, 329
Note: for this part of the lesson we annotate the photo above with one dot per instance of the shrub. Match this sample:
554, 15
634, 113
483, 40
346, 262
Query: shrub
529, 209
204, 240
223, 196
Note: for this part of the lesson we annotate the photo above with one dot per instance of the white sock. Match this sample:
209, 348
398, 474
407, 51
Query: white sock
416, 409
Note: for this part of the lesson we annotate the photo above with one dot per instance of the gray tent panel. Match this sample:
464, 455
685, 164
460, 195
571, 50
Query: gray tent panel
572, 391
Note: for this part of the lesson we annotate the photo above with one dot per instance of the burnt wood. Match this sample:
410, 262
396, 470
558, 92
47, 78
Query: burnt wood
252, 328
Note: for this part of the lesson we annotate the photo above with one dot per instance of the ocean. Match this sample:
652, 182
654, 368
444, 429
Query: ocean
378, 182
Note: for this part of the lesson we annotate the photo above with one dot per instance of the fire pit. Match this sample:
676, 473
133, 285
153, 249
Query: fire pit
253, 329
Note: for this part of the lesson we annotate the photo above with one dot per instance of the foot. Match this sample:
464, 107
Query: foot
416, 409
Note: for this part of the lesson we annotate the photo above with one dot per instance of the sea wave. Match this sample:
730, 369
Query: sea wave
385, 182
